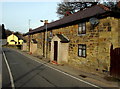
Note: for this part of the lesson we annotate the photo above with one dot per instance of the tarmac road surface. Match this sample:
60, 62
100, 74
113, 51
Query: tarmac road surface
29, 73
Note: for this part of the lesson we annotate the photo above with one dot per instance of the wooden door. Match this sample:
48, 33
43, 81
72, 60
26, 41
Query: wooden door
55, 50
115, 62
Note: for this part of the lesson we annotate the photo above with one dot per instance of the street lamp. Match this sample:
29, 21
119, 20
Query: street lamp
45, 23
29, 33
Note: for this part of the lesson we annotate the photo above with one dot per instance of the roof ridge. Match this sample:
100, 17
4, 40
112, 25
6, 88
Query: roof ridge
103, 7
86, 13
100, 5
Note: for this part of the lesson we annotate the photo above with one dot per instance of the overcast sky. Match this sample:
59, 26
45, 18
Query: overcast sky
16, 15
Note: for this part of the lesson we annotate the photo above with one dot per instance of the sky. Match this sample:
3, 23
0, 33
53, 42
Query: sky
16, 15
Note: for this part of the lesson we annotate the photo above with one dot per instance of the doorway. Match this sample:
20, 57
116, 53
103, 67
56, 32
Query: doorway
59, 49
55, 50
115, 62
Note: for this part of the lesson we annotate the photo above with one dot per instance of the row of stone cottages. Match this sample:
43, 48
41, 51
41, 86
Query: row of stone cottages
80, 39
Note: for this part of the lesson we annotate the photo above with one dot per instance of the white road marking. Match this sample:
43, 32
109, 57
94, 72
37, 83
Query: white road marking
0, 67
66, 73
10, 73
70, 75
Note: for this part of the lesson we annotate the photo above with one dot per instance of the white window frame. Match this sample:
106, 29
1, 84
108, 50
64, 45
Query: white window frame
81, 29
82, 50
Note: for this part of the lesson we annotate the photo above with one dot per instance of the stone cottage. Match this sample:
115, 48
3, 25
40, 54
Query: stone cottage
82, 39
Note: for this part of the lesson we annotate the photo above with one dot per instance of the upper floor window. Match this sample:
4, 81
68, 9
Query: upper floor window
51, 34
81, 28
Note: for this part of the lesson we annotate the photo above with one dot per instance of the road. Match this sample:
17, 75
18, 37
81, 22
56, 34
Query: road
29, 73
5, 74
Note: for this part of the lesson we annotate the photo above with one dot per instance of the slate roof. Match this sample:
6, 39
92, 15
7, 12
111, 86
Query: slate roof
20, 37
34, 41
62, 38
96, 10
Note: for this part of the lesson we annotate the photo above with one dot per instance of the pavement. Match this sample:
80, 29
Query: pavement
102, 79
0, 66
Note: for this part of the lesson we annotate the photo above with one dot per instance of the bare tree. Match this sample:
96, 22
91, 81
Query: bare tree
72, 6
114, 6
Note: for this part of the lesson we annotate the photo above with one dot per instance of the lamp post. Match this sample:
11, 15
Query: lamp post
29, 33
45, 23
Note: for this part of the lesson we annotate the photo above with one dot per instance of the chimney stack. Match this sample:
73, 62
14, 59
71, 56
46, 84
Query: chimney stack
118, 5
30, 29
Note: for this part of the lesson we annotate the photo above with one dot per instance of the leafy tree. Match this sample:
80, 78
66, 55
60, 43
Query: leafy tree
17, 33
72, 7
3, 32
0, 31
113, 6
8, 32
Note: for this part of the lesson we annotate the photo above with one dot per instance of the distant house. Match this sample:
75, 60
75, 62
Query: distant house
82, 39
14, 40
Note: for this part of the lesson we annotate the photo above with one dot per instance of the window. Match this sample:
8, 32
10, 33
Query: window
82, 50
51, 35
12, 41
81, 28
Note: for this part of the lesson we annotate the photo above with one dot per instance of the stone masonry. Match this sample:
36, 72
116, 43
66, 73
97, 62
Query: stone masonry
98, 41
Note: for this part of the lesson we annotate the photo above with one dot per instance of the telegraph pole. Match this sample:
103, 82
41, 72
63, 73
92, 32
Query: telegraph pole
45, 23
29, 33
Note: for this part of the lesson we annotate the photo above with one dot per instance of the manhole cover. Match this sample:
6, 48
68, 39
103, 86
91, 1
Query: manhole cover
83, 76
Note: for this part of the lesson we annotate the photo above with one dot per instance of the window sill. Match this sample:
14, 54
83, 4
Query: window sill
81, 34
82, 56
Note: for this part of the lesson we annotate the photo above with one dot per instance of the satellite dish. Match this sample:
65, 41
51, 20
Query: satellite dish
94, 21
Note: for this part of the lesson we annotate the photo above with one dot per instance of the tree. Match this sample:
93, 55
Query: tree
3, 32
0, 31
114, 6
17, 33
8, 32
72, 7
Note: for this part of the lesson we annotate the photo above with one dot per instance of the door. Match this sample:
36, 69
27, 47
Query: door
115, 62
55, 50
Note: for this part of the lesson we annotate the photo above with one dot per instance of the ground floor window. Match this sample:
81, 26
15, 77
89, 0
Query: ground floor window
82, 50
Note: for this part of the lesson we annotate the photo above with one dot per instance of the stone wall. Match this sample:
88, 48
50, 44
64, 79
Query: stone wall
33, 48
24, 47
40, 38
98, 42
119, 33
27, 43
